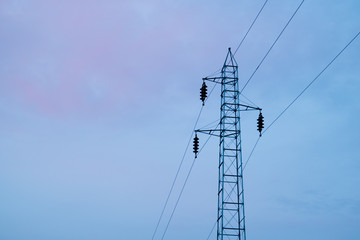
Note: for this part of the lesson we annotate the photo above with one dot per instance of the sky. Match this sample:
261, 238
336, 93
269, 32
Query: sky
99, 98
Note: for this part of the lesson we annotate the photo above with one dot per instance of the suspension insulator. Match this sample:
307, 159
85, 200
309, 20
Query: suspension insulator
203, 92
196, 145
260, 123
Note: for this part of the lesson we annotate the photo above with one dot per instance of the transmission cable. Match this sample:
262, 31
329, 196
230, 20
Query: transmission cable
252, 151
182, 189
316, 78
177, 201
177, 173
301, 93
267, 53
252, 24
181, 163
212, 229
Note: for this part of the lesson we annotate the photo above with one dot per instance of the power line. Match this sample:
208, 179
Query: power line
180, 165
316, 78
267, 53
252, 24
251, 153
301, 93
182, 189
212, 229
177, 173
177, 201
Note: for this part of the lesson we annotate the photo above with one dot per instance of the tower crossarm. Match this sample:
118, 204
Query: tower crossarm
220, 80
218, 132
213, 79
242, 107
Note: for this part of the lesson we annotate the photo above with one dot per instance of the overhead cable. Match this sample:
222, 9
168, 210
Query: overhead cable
267, 53
177, 173
182, 190
179, 168
301, 93
316, 78
252, 24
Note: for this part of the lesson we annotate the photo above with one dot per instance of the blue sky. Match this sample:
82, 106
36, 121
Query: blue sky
98, 100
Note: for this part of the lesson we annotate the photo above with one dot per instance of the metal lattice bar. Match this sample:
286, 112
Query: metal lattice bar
231, 207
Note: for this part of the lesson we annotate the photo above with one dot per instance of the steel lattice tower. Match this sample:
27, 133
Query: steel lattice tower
231, 212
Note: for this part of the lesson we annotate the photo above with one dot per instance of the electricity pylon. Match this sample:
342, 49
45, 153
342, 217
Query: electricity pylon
231, 211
